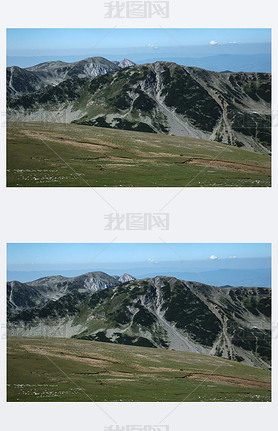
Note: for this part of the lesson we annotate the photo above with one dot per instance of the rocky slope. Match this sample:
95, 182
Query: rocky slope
233, 108
31, 79
21, 296
161, 312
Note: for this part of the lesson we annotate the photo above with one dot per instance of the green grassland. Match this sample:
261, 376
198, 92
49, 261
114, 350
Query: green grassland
56, 369
70, 155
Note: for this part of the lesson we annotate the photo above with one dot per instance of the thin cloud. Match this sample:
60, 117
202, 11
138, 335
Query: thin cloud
213, 42
150, 45
151, 260
213, 257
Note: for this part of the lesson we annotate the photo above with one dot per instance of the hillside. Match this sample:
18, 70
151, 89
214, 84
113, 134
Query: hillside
58, 369
21, 296
164, 98
28, 80
70, 155
161, 312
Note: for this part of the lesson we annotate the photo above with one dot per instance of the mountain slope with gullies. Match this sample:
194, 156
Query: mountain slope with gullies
45, 75
161, 312
163, 97
21, 296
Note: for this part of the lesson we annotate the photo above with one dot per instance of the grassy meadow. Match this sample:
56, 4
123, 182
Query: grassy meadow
56, 369
69, 155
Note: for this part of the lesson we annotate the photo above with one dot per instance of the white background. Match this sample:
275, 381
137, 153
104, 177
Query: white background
196, 215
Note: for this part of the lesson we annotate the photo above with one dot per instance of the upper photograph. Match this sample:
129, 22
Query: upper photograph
141, 107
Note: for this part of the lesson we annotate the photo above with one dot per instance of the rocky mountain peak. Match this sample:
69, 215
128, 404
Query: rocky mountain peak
51, 73
126, 277
126, 63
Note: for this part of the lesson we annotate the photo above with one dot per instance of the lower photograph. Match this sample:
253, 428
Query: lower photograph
139, 322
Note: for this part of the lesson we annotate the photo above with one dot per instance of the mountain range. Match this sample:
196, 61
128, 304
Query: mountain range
159, 312
21, 296
160, 97
259, 276
35, 78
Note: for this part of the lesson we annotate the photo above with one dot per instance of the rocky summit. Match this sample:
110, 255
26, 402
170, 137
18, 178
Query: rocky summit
21, 296
35, 78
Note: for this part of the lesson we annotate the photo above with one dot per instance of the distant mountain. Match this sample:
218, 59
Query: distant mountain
35, 78
258, 63
257, 277
161, 312
167, 98
126, 277
21, 296
124, 63
249, 58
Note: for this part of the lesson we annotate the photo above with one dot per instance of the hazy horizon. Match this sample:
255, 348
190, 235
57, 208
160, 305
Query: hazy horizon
219, 264
247, 50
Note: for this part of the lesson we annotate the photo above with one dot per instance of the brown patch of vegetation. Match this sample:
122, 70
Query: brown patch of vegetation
98, 360
230, 166
216, 378
90, 144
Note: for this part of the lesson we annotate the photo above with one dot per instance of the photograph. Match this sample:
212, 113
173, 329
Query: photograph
138, 107
139, 223
139, 322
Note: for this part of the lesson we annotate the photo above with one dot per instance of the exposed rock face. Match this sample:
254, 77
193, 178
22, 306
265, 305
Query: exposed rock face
124, 63
161, 312
126, 277
31, 79
21, 296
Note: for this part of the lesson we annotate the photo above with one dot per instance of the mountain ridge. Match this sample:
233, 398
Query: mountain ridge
50, 73
39, 292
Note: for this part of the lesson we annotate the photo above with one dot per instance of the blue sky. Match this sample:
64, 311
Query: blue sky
67, 254
27, 40
211, 263
26, 47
